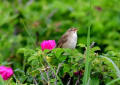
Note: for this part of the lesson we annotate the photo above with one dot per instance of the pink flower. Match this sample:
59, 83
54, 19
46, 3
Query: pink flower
48, 44
6, 72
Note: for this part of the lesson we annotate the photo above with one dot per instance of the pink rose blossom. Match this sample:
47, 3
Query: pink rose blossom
6, 72
48, 44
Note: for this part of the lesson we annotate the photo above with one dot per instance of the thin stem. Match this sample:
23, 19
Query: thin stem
87, 64
42, 75
69, 81
114, 65
35, 81
53, 71
59, 66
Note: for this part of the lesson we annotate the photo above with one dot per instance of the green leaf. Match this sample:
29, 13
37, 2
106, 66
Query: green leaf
21, 50
81, 45
31, 58
66, 68
95, 48
94, 81
113, 81
112, 64
58, 52
2, 81
87, 64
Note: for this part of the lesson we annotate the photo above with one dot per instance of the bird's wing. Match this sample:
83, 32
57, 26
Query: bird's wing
62, 40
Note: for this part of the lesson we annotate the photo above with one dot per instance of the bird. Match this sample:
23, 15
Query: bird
68, 39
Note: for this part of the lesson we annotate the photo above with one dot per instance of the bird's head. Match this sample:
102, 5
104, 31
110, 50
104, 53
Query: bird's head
72, 30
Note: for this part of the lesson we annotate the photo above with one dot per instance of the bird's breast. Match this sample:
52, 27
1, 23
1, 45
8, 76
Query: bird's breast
71, 42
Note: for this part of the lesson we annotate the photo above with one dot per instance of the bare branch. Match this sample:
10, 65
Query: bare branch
69, 81
42, 76
35, 81
59, 66
92, 45
78, 81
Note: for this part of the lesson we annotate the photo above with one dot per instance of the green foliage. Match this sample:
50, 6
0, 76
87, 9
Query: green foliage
53, 65
113, 81
87, 64
25, 23
1, 81
94, 81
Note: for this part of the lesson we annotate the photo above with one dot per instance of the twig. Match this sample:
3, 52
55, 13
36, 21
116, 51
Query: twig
59, 66
69, 81
78, 81
54, 73
42, 76
17, 81
29, 2
55, 81
47, 73
35, 81
92, 45
52, 13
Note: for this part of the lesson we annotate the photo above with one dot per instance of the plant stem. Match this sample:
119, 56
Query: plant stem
87, 64
113, 81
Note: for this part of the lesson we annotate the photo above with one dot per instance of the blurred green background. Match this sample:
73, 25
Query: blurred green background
25, 23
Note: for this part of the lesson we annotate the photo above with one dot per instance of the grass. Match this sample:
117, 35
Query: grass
87, 64
113, 81
114, 65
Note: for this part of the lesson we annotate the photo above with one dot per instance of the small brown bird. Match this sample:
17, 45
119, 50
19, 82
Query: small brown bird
69, 39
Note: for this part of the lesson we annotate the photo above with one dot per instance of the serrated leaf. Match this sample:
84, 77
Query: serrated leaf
94, 81
66, 68
81, 45
58, 52
21, 50
31, 58
95, 48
